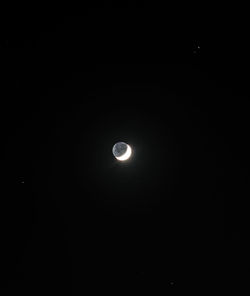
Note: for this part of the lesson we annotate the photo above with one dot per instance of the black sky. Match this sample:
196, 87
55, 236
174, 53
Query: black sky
175, 88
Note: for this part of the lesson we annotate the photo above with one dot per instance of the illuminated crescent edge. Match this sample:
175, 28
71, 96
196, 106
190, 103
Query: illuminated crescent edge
126, 155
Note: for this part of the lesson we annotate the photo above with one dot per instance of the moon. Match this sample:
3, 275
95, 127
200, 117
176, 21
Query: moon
122, 151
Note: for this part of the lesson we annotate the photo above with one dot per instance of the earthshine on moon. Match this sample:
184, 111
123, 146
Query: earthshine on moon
122, 151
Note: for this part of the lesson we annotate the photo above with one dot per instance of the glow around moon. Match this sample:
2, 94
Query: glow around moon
122, 151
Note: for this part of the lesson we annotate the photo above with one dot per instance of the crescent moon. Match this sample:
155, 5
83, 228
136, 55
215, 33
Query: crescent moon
126, 155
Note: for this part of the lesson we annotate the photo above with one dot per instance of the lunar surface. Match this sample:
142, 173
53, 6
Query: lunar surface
121, 151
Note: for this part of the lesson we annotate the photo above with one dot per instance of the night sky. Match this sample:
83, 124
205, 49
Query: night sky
172, 218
